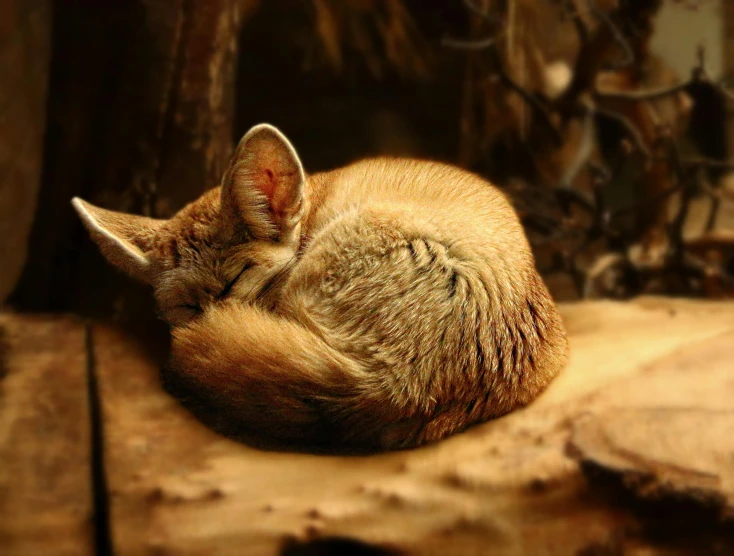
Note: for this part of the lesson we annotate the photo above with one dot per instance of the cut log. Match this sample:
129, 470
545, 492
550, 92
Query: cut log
664, 453
523, 484
45, 473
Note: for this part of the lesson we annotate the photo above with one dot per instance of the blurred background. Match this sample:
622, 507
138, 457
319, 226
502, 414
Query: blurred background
607, 122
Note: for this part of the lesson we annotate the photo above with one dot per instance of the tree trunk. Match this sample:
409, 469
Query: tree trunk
140, 119
25, 36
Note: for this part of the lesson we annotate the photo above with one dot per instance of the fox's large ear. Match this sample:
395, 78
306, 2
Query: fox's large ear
263, 187
122, 238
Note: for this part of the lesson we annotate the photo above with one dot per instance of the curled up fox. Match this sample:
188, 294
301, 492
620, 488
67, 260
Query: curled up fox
382, 305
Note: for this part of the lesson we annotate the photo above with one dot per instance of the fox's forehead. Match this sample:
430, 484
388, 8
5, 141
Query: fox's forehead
197, 255
199, 216
194, 234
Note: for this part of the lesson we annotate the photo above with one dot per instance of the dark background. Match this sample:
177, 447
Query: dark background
135, 106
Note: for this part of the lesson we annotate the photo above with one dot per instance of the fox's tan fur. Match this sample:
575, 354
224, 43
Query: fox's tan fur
382, 305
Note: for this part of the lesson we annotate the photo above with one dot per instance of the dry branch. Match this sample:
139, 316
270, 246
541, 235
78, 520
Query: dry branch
382, 33
656, 253
699, 75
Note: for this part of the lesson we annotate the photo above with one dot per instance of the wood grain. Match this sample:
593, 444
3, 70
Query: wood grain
523, 484
45, 490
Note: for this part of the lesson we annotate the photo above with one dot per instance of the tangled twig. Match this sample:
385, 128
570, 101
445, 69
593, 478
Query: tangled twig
699, 75
571, 220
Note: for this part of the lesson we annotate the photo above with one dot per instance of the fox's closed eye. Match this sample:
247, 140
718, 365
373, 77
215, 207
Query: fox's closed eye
182, 313
229, 285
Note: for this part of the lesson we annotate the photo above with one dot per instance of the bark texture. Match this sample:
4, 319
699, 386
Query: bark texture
25, 36
140, 120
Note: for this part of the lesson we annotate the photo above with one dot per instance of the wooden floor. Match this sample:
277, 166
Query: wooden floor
630, 451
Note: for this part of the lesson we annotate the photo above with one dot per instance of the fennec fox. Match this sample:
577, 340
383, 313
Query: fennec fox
382, 305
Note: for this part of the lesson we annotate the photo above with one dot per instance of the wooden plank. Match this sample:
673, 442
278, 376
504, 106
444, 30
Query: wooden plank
506, 487
45, 492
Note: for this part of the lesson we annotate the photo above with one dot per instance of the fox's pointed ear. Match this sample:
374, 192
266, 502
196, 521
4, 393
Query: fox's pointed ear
122, 238
263, 187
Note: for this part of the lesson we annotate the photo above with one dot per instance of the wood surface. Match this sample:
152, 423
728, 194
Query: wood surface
629, 451
45, 473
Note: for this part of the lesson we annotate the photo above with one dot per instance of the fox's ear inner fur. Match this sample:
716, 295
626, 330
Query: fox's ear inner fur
263, 187
122, 238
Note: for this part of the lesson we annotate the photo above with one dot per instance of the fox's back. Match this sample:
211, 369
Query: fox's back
421, 272
458, 203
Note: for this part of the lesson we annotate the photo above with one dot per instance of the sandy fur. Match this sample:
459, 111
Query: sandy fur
400, 305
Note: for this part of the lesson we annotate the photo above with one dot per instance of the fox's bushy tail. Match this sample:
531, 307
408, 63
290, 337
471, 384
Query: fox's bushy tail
271, 379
